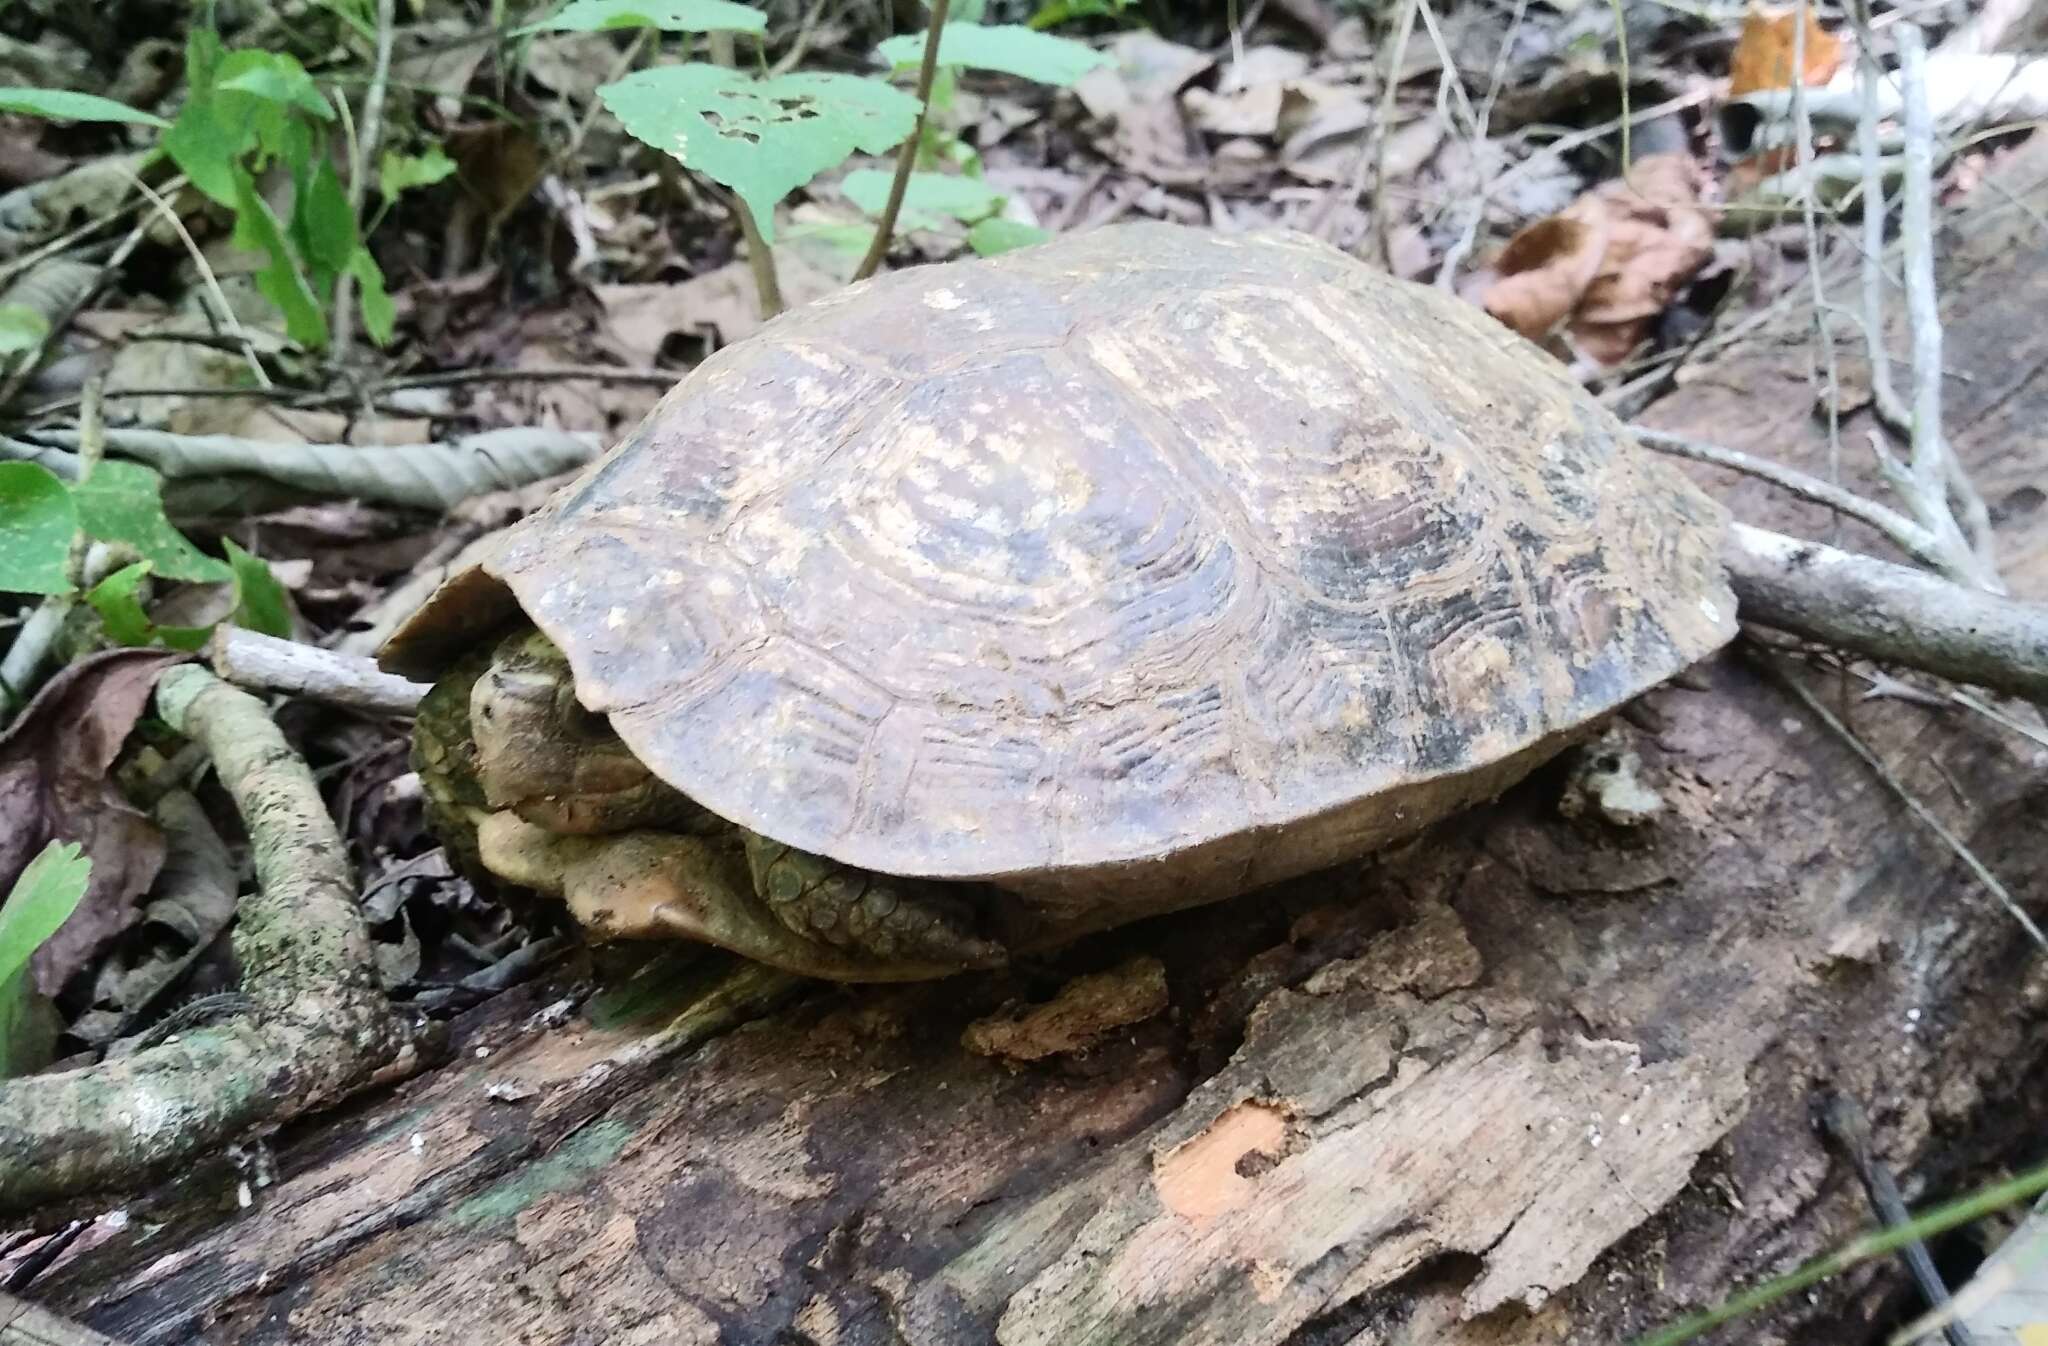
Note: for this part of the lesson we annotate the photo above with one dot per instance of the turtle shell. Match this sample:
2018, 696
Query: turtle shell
1141, 567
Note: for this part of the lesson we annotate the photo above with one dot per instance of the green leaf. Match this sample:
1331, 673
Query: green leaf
273, 76
120, 608
37, 523
762, 138
927, 194
1062, 11
21, 329
329, 225
42, 899
118, 601
1011, 49
357, 14
261, 604
282, 283
123, 503
205, 142
671, 16
203, 55
402, 172
999, 235
64, 105
380, 315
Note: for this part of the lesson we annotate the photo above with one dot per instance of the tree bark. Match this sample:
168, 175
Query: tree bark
1530, 1079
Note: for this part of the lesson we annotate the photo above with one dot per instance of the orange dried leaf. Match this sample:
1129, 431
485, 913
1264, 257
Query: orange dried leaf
1764, 52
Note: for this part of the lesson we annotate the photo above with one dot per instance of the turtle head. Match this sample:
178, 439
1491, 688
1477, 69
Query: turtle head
541, 754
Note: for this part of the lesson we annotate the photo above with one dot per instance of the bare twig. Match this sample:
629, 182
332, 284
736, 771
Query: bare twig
1383, 134
264, 663
1899, 530
1919, 810
1892, 613
1447, 274
1823, 334
906, 158
361, 151
320, 1028
1842, 1117
227, 318
1936, 474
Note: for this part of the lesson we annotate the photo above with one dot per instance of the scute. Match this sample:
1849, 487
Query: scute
1128, 569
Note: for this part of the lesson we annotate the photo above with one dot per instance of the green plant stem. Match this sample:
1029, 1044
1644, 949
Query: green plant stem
906, 159
760, 260
361, 148
1861, 1249
760, 256
1621, 43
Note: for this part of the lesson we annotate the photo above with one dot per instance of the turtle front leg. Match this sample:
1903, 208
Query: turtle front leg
891, 919
661, 885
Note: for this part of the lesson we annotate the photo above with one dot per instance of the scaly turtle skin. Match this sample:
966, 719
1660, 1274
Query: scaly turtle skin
985, 604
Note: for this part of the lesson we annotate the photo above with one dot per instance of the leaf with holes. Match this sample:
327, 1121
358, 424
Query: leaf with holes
925, 196
671, 16
37, 522
763, 138
1009, 49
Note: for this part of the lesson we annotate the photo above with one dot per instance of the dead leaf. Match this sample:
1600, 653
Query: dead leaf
721, 305
1608, 264
53, 785
1546, 268
1764, 52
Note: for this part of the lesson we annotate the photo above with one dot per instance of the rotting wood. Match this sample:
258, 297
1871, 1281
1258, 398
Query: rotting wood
23, 1324
1527, 1068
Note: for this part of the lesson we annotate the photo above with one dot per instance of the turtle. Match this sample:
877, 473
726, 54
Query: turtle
985, 604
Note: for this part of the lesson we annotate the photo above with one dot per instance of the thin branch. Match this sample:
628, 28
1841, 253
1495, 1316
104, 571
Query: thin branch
258, 662
1383, 134
320, 1028
1936, 474
1902, 532
1955, 844
906, 158
1823, 334
226, 310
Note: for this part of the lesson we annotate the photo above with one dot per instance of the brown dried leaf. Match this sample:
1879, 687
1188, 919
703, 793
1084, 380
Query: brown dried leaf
53, 785
1545, 269
1611, 262
1765, 50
